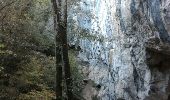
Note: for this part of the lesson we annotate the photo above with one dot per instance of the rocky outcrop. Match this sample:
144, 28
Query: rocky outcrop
158, 60
115, 40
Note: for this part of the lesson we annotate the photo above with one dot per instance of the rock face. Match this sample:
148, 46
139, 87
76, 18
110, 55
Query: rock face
125, 46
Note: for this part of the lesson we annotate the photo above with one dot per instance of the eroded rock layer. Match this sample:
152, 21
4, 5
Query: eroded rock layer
124, 46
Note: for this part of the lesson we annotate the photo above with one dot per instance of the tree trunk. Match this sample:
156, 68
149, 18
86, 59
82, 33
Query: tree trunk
60, 24
58, 55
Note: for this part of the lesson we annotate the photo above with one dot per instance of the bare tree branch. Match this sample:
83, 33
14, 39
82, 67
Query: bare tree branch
7, 5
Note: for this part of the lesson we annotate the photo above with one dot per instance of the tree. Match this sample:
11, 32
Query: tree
24, 44
60, 25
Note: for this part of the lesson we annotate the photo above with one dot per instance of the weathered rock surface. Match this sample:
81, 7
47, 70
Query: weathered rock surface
125, 44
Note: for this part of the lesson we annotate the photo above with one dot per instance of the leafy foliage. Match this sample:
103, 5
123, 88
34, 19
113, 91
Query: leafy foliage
36, 95
26, 50
77, 75
27, 69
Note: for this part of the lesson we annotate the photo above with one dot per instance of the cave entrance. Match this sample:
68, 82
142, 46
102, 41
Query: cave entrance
158, 60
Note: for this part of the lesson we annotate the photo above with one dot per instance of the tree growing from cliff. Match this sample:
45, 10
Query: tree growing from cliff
62, 60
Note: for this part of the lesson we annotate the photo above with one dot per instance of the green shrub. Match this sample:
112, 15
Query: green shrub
77, 76
38, 95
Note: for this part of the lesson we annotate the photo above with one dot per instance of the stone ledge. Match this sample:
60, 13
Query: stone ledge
155, 45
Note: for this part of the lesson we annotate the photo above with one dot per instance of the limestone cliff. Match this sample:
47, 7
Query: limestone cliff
124, 46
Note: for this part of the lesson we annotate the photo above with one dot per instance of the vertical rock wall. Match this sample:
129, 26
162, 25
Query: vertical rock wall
112, 35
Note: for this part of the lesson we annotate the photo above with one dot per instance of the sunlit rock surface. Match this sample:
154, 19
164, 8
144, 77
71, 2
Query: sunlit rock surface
114, 37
